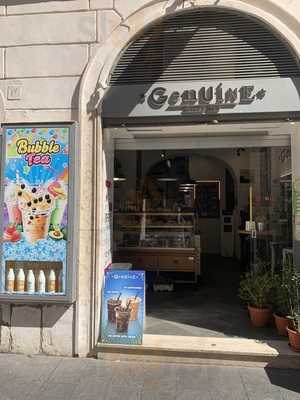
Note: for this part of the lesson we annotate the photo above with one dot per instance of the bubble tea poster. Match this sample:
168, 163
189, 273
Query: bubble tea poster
123, 307
35, 195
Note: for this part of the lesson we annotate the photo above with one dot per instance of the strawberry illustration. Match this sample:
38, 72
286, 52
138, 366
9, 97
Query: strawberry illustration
16, 236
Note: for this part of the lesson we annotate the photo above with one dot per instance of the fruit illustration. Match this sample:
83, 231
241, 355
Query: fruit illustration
56, 234
11, 234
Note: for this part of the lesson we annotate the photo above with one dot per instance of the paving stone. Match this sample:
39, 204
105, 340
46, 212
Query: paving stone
162, 375
258, 386
49, 378
158, 395
289, 394
24, 369
19, 391
187, 394
117, 393
69, 371
127, 376
57, 391
192, 378
91, 391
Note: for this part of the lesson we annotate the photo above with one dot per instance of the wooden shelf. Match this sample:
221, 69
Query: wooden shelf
157, 214
155, 249
158, 226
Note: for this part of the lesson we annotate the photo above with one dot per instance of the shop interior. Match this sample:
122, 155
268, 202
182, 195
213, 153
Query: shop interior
194, 220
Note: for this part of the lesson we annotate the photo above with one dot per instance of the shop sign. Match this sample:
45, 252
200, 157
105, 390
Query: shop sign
123, 307
35, 215
206, 100
194, 98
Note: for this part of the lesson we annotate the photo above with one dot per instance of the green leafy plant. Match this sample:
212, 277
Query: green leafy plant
293, 288
256, 289
282, 282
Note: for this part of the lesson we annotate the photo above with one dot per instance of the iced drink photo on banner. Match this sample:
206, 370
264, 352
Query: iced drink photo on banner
58, 189
36, 206
134, 305
112, 304
11, 202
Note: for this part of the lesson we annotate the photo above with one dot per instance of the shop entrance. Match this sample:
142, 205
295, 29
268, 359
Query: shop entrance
196, 219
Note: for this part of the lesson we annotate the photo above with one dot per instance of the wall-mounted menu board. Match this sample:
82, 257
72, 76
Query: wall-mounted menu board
35, 213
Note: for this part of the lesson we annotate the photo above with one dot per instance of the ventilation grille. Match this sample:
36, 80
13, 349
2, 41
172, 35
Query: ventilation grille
202, 45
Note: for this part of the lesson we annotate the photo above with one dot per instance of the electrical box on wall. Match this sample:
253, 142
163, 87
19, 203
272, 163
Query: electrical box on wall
37, 216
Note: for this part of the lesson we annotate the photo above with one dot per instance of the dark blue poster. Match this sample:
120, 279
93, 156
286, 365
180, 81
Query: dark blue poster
123, 307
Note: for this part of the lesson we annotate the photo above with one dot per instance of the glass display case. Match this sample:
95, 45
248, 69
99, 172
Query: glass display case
157, 242
37, 220
154, 230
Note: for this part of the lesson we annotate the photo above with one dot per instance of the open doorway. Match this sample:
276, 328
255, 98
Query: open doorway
183, 216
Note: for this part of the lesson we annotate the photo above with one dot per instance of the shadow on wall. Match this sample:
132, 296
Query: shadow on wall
31, 316
19, 2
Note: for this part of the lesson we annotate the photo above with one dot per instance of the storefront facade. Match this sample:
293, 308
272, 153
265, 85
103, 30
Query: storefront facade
58, 73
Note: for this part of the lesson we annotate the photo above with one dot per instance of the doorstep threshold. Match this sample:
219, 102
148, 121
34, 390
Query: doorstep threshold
192, 349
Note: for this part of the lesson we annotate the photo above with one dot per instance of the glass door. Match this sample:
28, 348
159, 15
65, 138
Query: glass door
268, 222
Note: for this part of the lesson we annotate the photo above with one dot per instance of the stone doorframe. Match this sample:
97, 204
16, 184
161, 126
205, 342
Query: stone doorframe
93, 86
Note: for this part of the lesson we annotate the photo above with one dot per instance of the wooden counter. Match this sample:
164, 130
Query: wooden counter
157, 259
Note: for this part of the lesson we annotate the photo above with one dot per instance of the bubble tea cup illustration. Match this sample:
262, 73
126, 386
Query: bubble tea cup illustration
112, 304
36, 206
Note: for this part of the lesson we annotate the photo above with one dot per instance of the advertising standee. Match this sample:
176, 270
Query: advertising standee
35, 215
123, 307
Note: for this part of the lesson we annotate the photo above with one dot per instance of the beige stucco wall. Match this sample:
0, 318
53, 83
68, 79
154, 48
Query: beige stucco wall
55, 57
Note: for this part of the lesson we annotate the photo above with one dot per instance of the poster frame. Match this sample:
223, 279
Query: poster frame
71, 280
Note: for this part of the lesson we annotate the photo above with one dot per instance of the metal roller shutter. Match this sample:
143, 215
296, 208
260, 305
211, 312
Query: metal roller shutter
203, 45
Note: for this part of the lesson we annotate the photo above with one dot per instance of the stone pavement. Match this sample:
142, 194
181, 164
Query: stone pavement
51, 378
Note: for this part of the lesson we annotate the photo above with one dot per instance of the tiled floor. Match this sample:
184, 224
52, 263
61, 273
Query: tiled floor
209, 308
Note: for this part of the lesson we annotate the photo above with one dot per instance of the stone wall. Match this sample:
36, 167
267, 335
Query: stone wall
46, 48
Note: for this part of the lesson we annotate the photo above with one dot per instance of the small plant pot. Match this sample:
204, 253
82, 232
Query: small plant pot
294, 339
260, 317
282, 323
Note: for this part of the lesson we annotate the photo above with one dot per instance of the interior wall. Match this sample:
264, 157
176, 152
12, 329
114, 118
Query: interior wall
209, 168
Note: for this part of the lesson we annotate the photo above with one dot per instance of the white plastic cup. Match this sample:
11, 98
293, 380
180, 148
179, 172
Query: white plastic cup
260, 226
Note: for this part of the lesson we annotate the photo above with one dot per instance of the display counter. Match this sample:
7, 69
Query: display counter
157, 242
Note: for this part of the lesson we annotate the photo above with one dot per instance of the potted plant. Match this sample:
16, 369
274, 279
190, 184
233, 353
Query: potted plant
294, 307
256, 290
282, 281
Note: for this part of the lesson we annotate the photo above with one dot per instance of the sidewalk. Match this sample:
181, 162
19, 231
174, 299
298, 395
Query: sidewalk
50, 378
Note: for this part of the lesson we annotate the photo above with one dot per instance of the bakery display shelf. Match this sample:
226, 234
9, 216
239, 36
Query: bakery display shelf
159, 226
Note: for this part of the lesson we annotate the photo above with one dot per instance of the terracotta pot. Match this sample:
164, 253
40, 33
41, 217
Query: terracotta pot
294, 339
282, 323
260, 316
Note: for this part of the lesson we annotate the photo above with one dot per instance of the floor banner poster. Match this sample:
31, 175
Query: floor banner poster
123, 307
